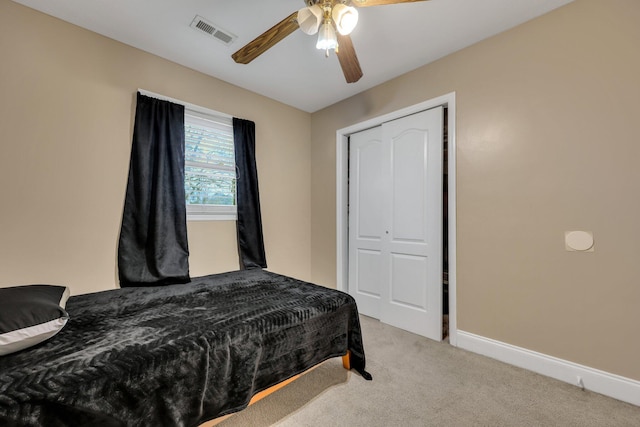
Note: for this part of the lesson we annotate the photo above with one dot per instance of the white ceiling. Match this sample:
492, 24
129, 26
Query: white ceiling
389, 40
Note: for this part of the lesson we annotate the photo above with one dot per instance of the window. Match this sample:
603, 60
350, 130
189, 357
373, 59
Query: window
210, 172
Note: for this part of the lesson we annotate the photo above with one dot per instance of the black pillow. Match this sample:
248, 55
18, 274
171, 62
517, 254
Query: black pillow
30, 314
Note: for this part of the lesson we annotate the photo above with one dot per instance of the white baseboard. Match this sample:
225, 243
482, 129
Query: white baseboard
605, 383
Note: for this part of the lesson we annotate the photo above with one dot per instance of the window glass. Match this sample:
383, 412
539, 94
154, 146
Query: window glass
210, 175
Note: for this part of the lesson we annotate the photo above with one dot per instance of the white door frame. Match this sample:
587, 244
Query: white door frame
342, 192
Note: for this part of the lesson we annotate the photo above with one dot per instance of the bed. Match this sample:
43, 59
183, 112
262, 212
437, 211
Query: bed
177, 355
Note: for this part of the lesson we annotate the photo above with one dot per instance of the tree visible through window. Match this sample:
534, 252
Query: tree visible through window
210, 175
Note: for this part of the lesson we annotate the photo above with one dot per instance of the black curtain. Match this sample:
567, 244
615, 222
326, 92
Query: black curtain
153, 249
249, 224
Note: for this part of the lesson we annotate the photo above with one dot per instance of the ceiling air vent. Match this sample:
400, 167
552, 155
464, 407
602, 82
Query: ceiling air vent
207, 27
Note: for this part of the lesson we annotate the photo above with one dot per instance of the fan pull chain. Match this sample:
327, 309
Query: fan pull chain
326, 54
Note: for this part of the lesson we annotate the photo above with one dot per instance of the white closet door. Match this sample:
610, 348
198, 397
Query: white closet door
413, 299
395, 220
367, 221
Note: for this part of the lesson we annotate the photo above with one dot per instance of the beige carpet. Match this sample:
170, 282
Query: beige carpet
418, 382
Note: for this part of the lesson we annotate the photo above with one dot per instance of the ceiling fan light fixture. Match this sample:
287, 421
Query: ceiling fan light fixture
345, 18
327, 38
310, 18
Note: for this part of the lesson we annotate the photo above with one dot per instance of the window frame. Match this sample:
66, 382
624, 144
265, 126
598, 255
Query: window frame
209, 212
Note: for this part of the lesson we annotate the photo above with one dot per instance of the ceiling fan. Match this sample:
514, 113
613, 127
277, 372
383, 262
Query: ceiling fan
332, 19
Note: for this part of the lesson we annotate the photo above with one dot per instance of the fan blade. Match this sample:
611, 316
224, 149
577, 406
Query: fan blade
348, 59
266, 40
366, 3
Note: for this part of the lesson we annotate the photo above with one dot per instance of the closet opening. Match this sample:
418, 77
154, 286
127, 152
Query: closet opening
446, 307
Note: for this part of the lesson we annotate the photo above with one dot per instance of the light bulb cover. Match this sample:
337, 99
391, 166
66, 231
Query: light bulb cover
327, 37
345, 18
309, 19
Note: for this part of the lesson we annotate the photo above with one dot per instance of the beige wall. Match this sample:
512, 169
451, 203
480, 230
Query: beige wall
66, 115
547, 141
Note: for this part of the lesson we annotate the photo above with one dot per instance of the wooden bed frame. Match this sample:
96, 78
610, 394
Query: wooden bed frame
346, 362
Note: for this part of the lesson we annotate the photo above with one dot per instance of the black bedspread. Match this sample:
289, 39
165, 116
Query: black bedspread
177, 355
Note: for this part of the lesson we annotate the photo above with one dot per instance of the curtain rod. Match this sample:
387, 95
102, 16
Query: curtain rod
187, 105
